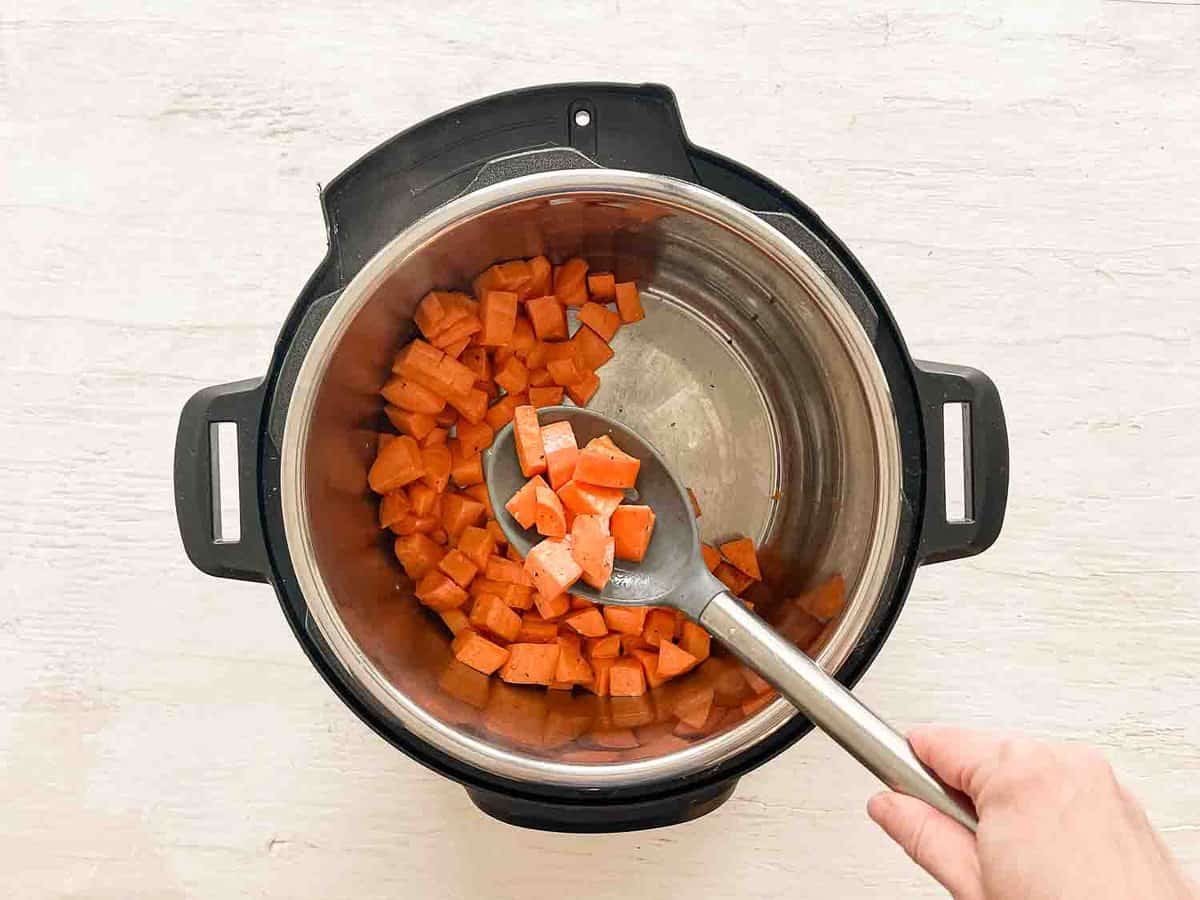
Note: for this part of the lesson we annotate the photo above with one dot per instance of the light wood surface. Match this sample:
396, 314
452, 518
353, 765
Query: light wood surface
1024, 185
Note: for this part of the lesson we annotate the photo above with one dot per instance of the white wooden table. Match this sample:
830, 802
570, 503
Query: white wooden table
1024, 185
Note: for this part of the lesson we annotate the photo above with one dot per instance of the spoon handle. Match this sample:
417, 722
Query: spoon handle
831, 707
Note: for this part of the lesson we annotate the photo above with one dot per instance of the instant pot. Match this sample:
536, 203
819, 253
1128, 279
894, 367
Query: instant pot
768, 371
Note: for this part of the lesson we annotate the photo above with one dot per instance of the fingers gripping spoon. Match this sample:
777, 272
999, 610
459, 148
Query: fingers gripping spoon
673, 574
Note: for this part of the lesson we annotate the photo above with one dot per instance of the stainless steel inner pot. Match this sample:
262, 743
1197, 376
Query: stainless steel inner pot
750, 373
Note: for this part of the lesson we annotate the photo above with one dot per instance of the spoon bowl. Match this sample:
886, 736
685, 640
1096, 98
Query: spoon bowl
673, 574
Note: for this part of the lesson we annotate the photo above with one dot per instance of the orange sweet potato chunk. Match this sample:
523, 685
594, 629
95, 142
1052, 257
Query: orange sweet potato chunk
558, 443
604, 464
632, 526
590, 499
602, 286
541, 397
582, 392
476, 651
629, 302
695, 640
548, 318
397, 464
626, 678
673, 660
550, 519
523, 504
740, 553
593, 548
552, 567
493, 615
587, 622
530, 663
498, 310
591, 350
570, 282
600, 319
528, 435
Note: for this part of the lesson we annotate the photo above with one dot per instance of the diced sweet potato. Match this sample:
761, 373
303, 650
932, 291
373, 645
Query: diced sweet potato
415, 425
435, 437
593, 548
518, 596
606, 646
492, 614
695, 640
540, 378
732, 578
455, 619
626, 678
558, 443
437, 464
583, 391
563, 372
479, 492
477, 544
602, 285
551, 607
501, 412
826, 601
540, 282
712, 558
514, 275
393, 507
498, 309
523, 504
439, 592
453, 340
571, 666
471, 404
477, 360
550, 519
475, 437
570, 282
459, 567
498, 568
527, 432
626, 619
604, 464
740, 554
649, 662
541, 397
600, 319
530, 663
476, 651
536, 630
512, 376
459, 512
590, 500
673, 660
587, 622
398, 464
465, 468
548, 318
552, 567
591, 350
631, 527
660, 626
404, 393
418, 554
629, 302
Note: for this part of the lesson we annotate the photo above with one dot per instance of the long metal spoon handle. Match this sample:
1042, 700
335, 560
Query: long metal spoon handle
831, 707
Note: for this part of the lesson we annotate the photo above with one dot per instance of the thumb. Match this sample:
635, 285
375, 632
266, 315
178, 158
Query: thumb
936, 843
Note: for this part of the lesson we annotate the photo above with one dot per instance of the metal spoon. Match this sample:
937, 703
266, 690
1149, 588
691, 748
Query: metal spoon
673, 574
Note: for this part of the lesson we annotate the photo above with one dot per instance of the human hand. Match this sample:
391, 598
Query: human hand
1053, 823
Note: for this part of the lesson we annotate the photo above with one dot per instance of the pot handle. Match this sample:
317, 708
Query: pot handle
985, 461
197, 482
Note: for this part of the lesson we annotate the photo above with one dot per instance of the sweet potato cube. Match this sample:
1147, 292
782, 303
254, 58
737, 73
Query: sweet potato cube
550, 518
437, 591
695, 640
476, 544
626, 678
552, 567
527, 432
602, 285
600, 319
512, 376
530, 663
583, 391
587, 622
629, 302
397, 464
740, 554
593, 548
474, 650
418, 554
604, 464
548, 318
626, 619
459, 567
673, 660
498, 310
492, 614
589, 499
632, 527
